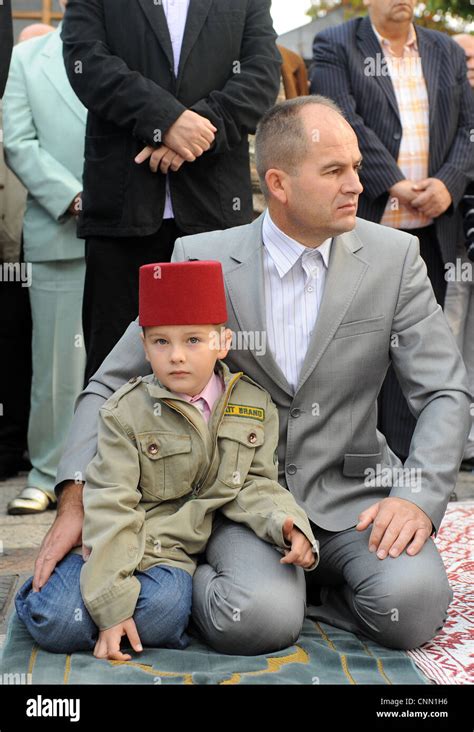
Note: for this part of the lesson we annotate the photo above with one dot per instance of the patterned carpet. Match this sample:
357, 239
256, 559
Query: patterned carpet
449, 658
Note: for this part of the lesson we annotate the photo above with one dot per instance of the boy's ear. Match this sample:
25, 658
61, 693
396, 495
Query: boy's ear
228, 338
225, 341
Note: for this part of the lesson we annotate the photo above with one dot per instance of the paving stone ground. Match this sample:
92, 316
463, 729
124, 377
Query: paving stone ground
21, 537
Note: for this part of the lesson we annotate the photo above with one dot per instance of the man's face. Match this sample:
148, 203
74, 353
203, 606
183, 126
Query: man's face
391, 11
324, 193
183, 356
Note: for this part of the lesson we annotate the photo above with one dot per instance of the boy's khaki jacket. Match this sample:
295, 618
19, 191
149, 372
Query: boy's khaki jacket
160, 473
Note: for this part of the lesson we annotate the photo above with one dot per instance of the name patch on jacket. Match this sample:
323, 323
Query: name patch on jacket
241, 410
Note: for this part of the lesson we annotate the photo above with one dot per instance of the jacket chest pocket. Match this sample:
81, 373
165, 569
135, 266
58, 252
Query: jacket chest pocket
165, 465
237, 444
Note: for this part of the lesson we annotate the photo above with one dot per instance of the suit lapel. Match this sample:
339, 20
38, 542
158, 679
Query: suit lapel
197, 13
157, 19
53, 68
370, 48
430, 64
246, 291
343, 278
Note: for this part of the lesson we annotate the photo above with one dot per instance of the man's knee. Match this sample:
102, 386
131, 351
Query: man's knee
412, 612
244, 621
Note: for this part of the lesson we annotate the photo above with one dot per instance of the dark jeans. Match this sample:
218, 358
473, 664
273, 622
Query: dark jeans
59, 622
111, 286
395, 420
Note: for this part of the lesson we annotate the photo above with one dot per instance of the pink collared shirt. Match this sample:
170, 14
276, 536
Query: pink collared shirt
205, 400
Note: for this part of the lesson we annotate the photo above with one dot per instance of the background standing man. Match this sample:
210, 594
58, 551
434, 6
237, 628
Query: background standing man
15, 312
459, 306
44, 126
173, 88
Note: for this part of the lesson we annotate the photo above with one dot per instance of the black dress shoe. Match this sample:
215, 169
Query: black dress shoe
11, 466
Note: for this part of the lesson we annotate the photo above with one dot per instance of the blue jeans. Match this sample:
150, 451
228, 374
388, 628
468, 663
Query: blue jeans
58, 620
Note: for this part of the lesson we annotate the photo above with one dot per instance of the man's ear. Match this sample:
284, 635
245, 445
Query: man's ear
277, 184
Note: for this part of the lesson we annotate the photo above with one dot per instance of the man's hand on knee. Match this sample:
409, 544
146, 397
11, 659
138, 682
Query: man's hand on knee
64, 534
397, 523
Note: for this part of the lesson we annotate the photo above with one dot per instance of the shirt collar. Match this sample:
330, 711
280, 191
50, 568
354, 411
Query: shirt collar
210, 393
285, 251
411, 40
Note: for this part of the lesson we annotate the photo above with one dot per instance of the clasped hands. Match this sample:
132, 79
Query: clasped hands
187, 139
428, 196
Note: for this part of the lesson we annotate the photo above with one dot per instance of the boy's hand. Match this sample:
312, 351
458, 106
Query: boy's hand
108, 642
301, 552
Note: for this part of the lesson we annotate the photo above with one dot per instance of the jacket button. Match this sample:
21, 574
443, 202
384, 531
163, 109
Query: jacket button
291, 469
153, 448
295, 412
396, 135
252, 437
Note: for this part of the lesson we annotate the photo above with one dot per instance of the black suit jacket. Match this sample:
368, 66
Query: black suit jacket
340, 59
6, 42
119, 61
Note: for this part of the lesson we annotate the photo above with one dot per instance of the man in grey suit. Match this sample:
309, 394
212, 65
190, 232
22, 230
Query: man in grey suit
321, 302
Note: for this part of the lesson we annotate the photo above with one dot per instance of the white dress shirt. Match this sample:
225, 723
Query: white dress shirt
176, 12
294, 277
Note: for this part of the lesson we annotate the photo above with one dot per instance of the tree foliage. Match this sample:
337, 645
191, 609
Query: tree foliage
449, 16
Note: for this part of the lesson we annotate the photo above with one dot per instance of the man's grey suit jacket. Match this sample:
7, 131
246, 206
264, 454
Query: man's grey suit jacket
377, 306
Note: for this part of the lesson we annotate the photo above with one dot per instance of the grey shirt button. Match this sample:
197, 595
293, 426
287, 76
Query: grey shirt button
291, 469
295, 412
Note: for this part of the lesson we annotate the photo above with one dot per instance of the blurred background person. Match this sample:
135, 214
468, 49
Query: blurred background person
15, 316
459, 305
172, 88
44, 127
404, 90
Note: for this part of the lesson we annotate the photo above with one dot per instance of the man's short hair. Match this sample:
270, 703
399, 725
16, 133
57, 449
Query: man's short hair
281, 140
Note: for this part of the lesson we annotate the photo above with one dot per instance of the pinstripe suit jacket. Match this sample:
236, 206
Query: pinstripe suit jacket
340, 63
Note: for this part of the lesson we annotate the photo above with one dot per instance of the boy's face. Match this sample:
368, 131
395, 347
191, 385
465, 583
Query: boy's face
183, 356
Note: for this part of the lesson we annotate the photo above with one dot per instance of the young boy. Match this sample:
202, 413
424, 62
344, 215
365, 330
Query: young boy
173, 448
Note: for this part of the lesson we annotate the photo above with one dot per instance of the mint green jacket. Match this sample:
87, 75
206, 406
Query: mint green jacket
159, 475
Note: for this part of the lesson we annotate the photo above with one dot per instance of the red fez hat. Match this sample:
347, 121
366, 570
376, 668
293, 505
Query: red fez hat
182, 293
